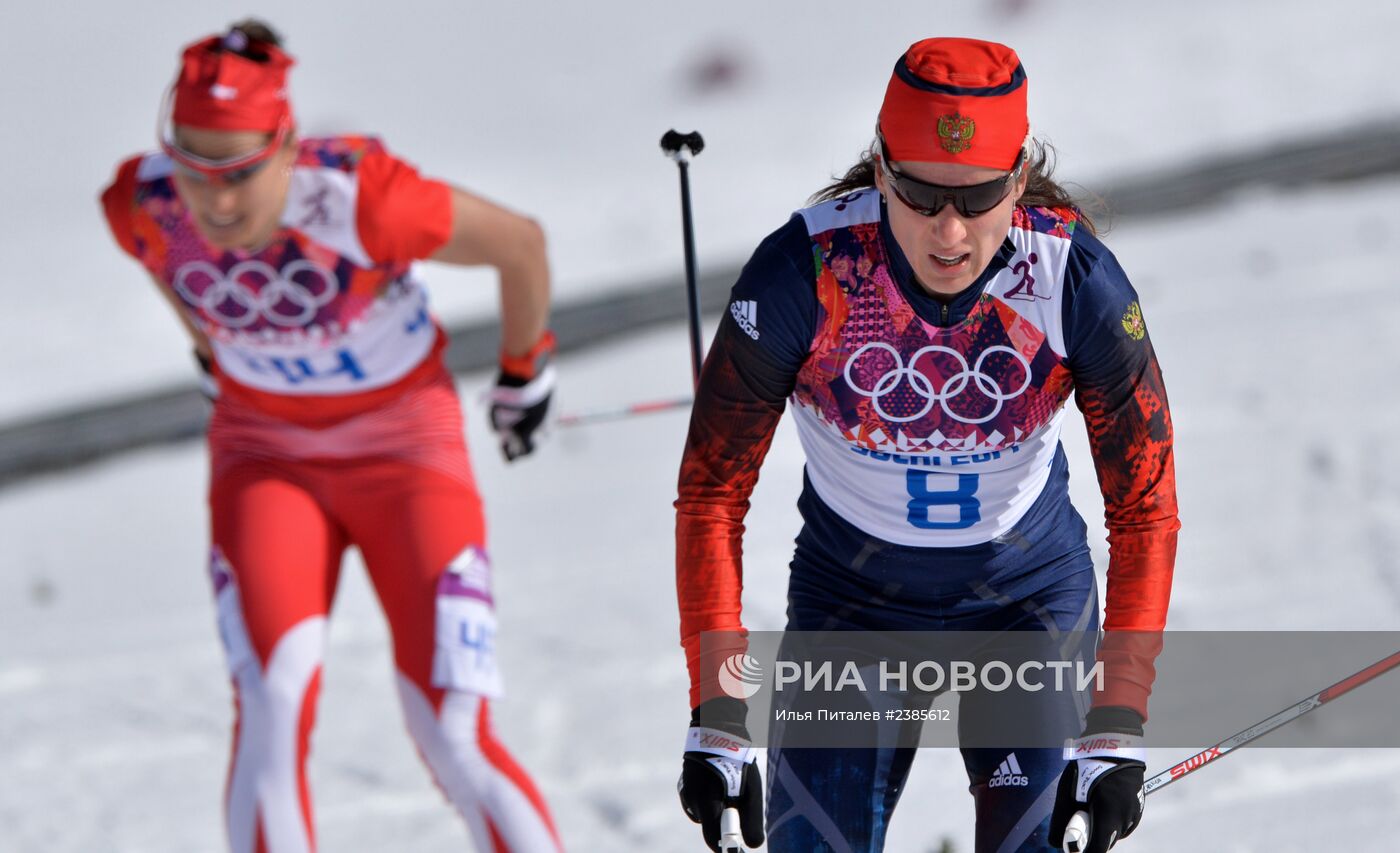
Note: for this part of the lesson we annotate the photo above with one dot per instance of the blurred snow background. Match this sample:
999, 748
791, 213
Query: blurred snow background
557, 108
1275, 316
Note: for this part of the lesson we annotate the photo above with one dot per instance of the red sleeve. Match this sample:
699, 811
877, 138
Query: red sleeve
731, 429
400, 215
1130, 434
118, 203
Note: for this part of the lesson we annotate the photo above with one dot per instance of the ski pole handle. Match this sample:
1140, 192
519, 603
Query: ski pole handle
730, 838
1077, 833
673, 142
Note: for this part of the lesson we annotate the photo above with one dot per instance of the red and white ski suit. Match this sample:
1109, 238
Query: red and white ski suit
336, 425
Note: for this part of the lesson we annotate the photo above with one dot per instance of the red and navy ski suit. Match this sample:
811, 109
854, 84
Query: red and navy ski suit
935, 494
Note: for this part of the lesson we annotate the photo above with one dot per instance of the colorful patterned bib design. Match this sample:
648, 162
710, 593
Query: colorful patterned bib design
885, 388
313, 312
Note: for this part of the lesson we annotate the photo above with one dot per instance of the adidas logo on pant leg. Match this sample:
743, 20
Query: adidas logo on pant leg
1009, 774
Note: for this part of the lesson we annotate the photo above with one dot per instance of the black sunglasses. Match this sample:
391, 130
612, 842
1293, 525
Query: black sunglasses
927, 199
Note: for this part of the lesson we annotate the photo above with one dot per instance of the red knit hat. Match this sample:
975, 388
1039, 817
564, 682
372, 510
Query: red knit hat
956, 100
221, 89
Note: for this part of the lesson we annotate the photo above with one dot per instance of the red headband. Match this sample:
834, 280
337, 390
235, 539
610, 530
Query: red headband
219, 89
955, 100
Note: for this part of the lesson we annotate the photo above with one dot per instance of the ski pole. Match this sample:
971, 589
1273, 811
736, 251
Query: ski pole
1282, 718
676, 144
617, 413
730, 839
1079, 824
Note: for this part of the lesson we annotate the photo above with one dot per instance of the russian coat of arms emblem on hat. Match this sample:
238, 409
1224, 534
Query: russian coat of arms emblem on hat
955, 132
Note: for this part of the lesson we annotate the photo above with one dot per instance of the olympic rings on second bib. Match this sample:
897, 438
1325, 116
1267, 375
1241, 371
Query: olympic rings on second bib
204, 285
954, 385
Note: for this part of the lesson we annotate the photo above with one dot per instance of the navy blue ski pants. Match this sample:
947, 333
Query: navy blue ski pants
841, 799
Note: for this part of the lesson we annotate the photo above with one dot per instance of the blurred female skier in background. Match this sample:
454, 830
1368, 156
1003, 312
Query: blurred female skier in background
928, 320
289, 260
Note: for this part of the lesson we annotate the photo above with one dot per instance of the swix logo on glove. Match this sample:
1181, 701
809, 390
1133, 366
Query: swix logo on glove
1098, 744
1117, 747
716, 742
719, 741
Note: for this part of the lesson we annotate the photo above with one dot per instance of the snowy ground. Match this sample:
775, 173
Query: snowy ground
1274, 317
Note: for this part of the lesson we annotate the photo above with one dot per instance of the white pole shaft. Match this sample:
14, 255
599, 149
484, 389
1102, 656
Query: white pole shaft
731, 839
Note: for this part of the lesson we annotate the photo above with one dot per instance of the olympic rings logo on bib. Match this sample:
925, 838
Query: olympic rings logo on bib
922, 387
290, 297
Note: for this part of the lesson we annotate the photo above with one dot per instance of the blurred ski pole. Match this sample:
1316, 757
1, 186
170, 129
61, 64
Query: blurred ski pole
676, 145
679, 147
618, 413
1076, 837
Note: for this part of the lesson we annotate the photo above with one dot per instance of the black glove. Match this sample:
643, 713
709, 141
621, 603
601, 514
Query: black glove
718, 772
1103, 780
520, 400
208, 383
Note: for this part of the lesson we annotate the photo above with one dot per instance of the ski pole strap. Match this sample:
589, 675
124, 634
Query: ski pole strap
723, 744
